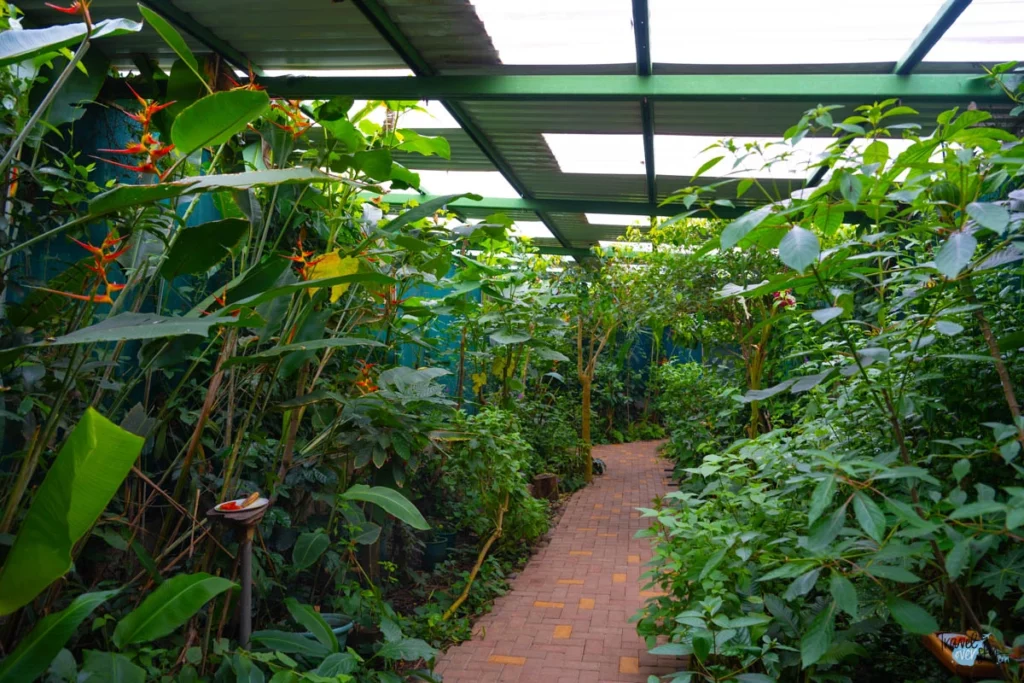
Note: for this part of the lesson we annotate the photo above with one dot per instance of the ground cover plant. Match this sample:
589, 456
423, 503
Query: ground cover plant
874, 493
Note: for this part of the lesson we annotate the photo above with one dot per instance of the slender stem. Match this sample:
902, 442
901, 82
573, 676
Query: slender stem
45, 104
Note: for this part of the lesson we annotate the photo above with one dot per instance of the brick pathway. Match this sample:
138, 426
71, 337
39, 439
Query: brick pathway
566, 618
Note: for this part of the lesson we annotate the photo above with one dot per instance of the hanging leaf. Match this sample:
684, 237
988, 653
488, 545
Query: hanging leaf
173, 39
338, 664
389, 500
948, 328
424, 145
820, 498
739, 228
19, 46
308, 549
799, 248
991, 216
817, 640
173, 603
876, 153
290, 643
844, 593
823, 315
36, 650
111, 667
504, 337
132, 196
911, 617
869, 516
216, 118
196, 250
313, 622
335, 108
955, 254
86, 474
850, 187
958, 558
407, 650
134, 326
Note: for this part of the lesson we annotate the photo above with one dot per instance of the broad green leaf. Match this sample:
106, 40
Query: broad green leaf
503, 337
132, 196
408, 650
899, 574
391, 501
869, 516
713, 563
802, 585
911, 617
339, 663
423, 144
844, 593
961, 468
958, 558
172, 38
955, 254
702, 644
290, 643
672, 650
876, 153
314, 623
36, 650
989, 507
308, 549
808, 382
196, 250
705, 167
821, 498
83, 478
111, 667
762, 394
991, 216
739, 228
20, 46
823, 315
375, 163
948, 328
134, 326
818, 638
824, 532
276, 351
799, 248
216, 118
173, 603
335, 108
427, 208
850, 187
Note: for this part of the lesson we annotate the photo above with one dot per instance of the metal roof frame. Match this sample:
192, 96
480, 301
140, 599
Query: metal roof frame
735, 85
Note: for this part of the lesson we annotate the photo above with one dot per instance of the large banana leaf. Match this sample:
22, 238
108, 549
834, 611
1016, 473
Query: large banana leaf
87, 472
391, 501
168, 607
35, 652
17, 46
216, 118
196, 250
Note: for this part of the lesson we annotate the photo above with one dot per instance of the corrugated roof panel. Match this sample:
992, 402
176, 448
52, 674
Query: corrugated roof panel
987, 31
447, 33
557, 117
120, 48
298, 33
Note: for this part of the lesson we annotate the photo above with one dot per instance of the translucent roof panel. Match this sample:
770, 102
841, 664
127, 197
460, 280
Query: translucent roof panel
605, 153
987, 31
559, 31
483, 183
616, 219
785, 31
532, 229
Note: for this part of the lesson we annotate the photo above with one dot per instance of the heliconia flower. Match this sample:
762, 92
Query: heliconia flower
77, 7
149, 109
141, 168
94, 298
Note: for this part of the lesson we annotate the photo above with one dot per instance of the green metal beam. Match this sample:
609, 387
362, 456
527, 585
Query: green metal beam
644, 69
382, 21
563, 206
932, 33
858, 88
186, 23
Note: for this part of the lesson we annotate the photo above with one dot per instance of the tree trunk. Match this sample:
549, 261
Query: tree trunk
588, 465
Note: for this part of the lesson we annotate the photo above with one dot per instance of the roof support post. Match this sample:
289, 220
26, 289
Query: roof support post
386, 26
644, 69
932, 33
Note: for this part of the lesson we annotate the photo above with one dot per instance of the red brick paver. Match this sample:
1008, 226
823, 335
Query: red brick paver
566, 618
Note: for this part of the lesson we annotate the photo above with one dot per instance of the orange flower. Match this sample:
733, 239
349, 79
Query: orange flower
306, 264
149, 147
297, 123
149, 109
77, 7
103, 256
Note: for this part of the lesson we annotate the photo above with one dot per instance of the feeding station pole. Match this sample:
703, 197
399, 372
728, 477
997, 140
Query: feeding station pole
243, 514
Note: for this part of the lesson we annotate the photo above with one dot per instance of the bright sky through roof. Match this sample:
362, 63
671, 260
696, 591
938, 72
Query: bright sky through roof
987, 31
559, 31
483, 183
785, 31
683, 155
616, 219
